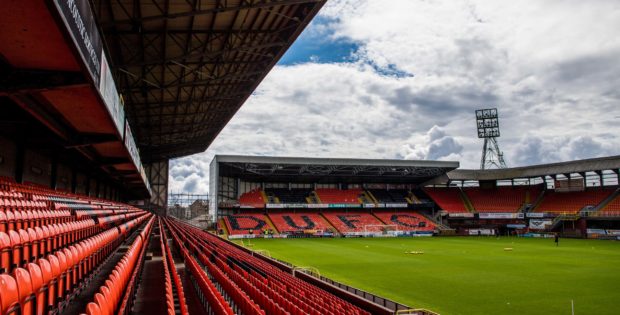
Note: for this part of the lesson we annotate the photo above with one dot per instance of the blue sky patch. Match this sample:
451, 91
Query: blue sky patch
316, 44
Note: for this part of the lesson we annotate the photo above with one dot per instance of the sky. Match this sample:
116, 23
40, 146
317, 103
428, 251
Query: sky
401, 79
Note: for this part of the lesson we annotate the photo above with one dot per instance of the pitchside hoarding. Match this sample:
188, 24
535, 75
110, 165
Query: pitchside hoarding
110, 96
486, 215
130, 144
537, 224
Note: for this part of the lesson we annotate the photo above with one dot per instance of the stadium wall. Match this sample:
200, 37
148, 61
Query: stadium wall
53, 167
37, 168
7, 157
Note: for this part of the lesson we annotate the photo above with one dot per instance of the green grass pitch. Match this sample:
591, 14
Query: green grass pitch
469, 275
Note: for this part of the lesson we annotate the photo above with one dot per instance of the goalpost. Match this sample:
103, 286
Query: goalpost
381, 230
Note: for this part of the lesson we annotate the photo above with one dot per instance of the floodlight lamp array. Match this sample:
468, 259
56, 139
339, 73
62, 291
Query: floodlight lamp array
487, 123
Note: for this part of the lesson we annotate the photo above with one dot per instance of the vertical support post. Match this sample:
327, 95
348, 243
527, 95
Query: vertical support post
483, 160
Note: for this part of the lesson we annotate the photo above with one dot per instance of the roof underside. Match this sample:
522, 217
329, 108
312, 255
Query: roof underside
316, 170
185, 67
571, 167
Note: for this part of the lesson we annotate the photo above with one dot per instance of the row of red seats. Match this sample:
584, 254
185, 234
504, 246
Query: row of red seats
170, 273
15, 220
252, 197
104, 212
127, 301
209, 296
332, 195
571, 202
262, 286
40, 193
106, 301
18, 204
17, 247
447, 198
44, 286
500, 199
10, 194
32, 196
115, 219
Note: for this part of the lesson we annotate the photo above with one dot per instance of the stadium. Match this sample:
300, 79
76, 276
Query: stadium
99, 98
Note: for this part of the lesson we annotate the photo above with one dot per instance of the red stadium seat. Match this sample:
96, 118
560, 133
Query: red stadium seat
9, 296
6, 250
26, 293
93, 309
39, 288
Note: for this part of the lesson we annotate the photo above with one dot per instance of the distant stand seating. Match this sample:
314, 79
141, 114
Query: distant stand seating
406, 220
254, 197
612, 206
448, 198
571, 202
332, 195
501, 198
390, 196
286, 195
298, 222
353, 221
242, 224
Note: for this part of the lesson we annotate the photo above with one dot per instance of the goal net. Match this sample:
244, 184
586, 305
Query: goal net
381, 230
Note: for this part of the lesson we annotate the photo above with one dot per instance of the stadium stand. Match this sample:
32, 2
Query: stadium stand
237, 282
110, 298
571, 202
52, 243
390, 196
501, 198
612, 206
352, 222
406, 220
254, 197
298, 222
241, 224
289, 195
332, 195
449, 199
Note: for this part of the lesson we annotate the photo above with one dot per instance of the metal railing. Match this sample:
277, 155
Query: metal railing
366, 295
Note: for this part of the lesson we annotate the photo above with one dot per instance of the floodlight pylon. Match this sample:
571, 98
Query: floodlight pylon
487, 121
491, 155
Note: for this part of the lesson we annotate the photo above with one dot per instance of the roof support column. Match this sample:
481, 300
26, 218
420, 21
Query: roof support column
157, 175
600, 177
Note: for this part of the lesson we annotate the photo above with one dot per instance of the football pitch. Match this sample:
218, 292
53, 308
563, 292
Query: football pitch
468, 275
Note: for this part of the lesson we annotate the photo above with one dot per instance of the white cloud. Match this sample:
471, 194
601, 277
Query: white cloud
549, 66
434, 145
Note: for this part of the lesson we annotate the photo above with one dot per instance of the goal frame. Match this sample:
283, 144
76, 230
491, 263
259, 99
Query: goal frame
396, 230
